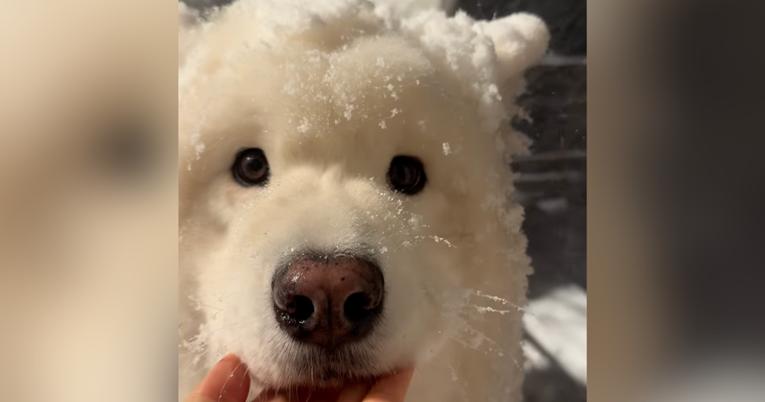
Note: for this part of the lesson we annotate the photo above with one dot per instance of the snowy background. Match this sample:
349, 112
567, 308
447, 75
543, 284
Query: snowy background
552, 188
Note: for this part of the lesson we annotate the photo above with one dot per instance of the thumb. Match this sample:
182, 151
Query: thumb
392, 388
228, 381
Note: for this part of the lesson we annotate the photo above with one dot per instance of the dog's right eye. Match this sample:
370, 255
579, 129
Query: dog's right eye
406, 175
251, 168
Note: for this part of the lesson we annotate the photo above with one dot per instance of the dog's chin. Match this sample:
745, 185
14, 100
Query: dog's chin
315, 368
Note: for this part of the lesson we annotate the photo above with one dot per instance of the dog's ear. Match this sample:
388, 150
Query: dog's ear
520, 40
188, 20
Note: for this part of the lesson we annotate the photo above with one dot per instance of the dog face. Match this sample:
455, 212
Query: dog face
339, 195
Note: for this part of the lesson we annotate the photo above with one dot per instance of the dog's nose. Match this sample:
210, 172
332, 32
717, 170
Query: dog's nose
328, 301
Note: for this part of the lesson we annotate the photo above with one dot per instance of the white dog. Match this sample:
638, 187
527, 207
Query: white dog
345, 196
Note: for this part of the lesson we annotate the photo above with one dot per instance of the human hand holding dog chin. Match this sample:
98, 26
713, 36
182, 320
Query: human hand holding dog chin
228, 381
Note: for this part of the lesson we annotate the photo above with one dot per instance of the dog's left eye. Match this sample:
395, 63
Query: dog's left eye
251, 167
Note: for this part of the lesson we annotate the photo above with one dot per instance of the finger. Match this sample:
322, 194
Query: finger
299, 395
228, 381
270, 396
353, 393
391, 389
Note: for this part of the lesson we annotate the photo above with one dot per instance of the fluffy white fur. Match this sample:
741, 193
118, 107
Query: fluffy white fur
332, 91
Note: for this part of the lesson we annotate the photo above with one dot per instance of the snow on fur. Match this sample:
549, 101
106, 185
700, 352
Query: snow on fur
487, 57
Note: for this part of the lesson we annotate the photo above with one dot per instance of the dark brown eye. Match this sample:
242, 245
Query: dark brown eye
406, 175
251, 168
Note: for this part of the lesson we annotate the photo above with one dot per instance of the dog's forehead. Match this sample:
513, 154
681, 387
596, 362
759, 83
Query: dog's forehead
306, 90
379, 71
380, 66
375, 87
370, 92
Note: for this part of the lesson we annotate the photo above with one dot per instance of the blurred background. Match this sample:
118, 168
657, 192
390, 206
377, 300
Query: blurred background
553, 189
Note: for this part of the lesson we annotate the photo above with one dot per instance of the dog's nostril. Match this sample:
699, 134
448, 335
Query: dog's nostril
300, 309
357, 307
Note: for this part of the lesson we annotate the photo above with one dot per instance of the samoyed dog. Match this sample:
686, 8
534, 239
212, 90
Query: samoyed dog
345, 197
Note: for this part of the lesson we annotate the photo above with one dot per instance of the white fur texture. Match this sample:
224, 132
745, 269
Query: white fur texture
332, 90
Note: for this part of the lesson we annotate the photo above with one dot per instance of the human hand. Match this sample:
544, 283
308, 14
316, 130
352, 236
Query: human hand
229, 381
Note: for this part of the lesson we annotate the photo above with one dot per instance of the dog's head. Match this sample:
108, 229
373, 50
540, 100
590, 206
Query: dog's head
344, 183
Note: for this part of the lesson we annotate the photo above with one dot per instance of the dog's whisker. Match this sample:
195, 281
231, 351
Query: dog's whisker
481, 309
502, 301
230, 376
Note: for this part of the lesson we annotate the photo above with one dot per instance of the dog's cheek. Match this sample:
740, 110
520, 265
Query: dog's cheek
247, 283
415, 283
225, 200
